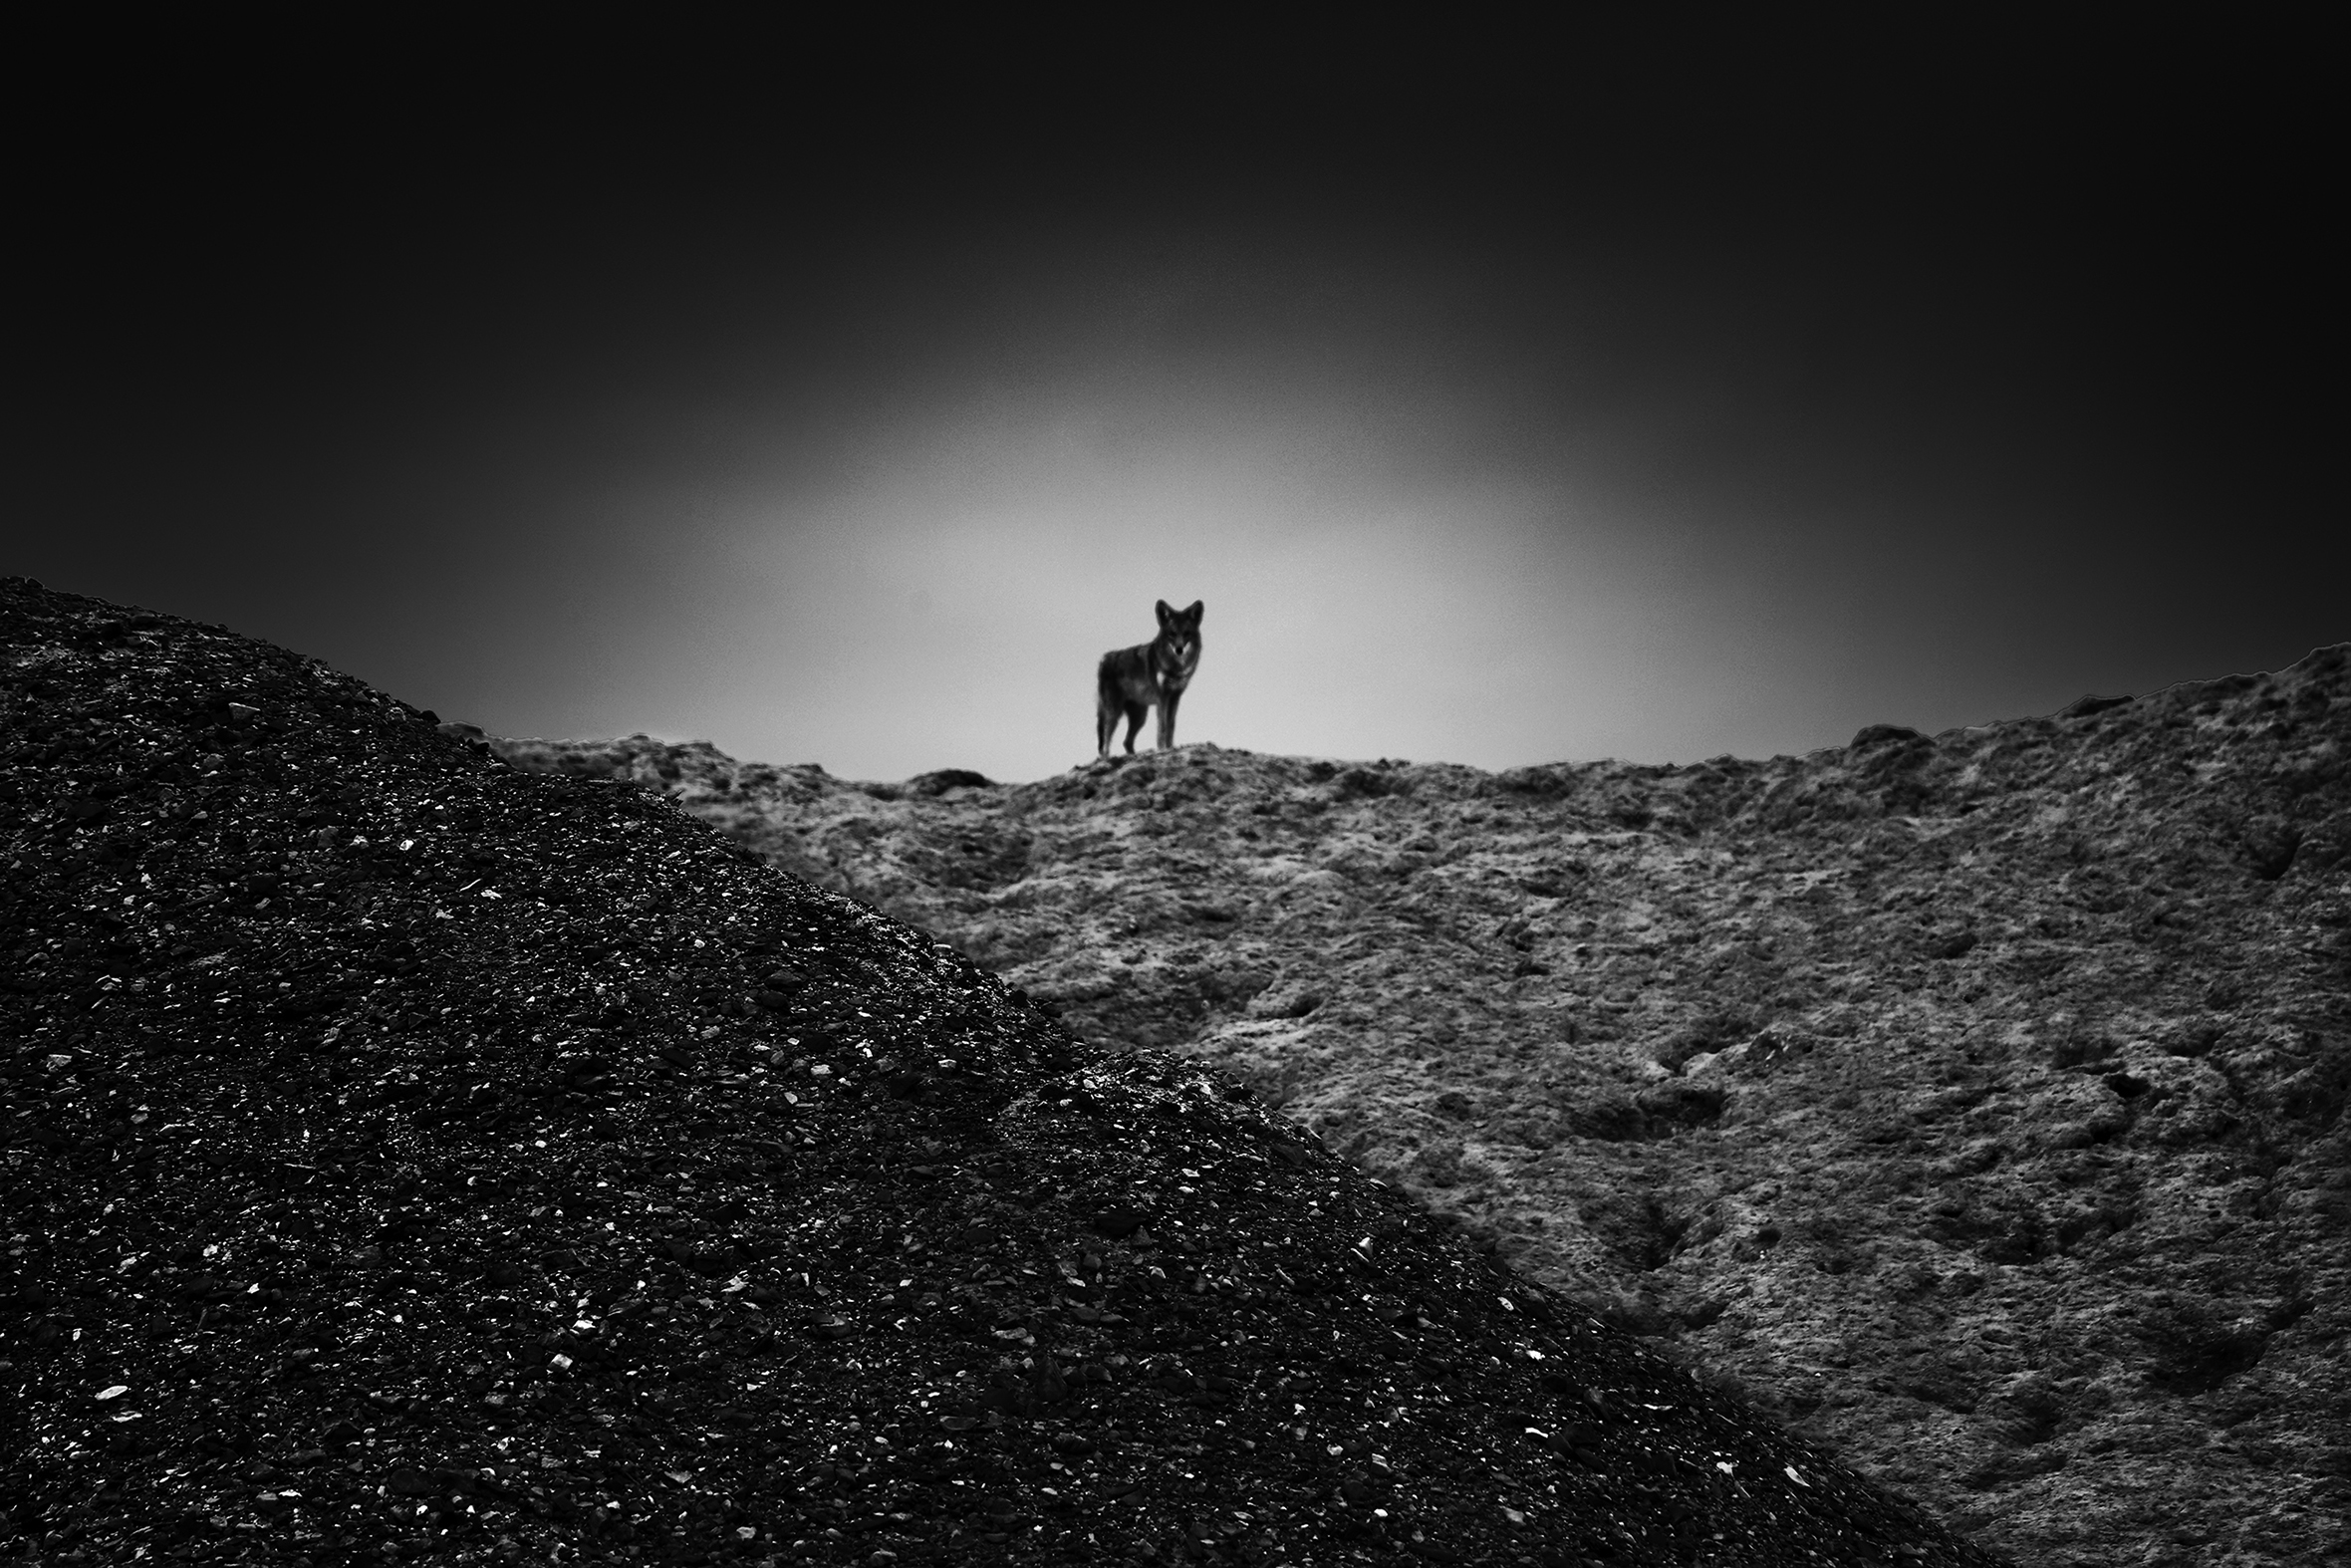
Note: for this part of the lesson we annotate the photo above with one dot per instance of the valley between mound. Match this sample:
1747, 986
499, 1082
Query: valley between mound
410, 1158
1971, 1103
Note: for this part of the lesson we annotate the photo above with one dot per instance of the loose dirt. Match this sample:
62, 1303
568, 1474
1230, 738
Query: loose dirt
1971, 1103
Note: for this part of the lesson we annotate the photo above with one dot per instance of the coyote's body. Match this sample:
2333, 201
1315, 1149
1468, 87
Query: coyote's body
1133, 680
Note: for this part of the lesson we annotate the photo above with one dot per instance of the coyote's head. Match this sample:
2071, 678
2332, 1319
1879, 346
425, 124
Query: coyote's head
1177, 648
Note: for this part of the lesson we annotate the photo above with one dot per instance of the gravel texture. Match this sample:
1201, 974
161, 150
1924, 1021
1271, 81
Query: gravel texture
1973, 1103
410, 1156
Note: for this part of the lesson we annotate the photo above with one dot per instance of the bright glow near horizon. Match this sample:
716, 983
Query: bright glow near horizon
1670, 427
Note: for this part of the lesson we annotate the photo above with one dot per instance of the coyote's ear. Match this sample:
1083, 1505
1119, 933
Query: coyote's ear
1194, 614
1166, 615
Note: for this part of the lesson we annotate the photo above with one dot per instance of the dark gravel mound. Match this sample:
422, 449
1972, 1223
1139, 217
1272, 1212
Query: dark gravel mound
410, 1158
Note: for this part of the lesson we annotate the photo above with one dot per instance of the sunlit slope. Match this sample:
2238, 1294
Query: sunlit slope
1974, 1100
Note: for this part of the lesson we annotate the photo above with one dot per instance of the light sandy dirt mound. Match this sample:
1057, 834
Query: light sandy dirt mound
1973, 1101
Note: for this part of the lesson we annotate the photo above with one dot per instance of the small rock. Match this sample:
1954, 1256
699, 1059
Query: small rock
1957, 946
2087, 704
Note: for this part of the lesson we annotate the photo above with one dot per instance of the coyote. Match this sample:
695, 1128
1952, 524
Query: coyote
1133, 679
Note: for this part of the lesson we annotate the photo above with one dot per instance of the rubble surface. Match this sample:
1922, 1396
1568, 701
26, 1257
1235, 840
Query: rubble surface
1971, 1103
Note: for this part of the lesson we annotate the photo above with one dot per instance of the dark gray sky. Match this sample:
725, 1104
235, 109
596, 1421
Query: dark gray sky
1657, 393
